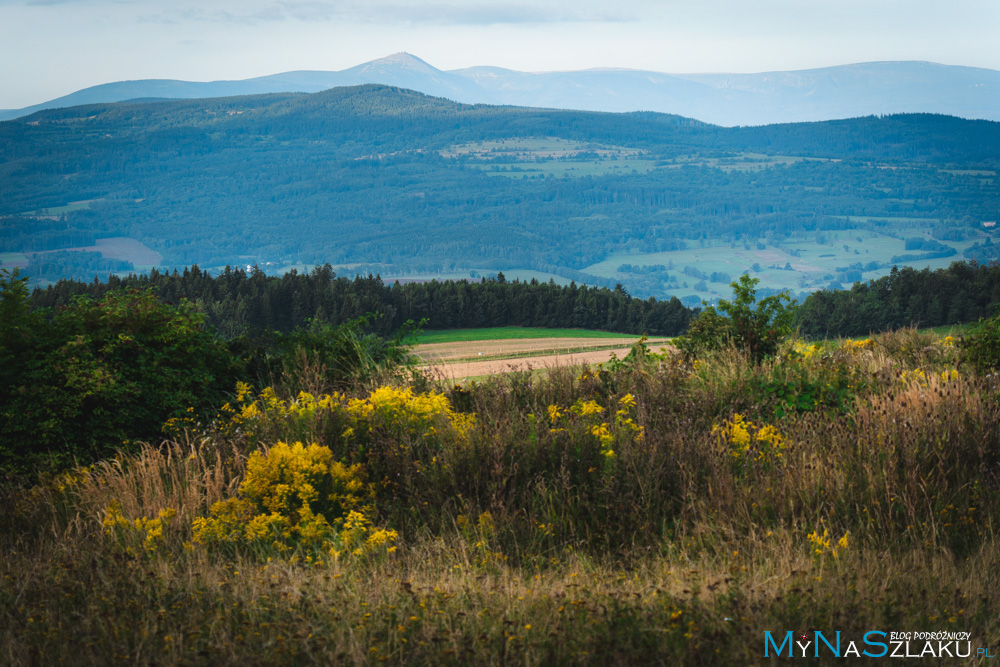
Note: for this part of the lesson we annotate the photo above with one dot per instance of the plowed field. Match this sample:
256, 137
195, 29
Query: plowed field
474, 358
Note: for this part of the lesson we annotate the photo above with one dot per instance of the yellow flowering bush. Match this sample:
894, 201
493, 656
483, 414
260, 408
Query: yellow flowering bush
806, 352
588, 416
403, 410
293, 495
823, 544
407, 441
921, 378
359, 538
143, 534
856, 346
586, 408
267, 417
750, 444
916, 376
949, 375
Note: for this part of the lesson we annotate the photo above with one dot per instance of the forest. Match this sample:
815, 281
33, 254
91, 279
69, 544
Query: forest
964, 292
407, 184
239, 303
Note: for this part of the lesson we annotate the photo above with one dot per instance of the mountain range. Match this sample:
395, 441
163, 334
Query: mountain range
828, 93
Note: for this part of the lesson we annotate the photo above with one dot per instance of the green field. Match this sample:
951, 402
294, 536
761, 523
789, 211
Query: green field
511, 333
524, 158
391, 274
813, 257
549, 156
968, 172
949, 330
67, 208
741, 162
600, 167
6, 257
524, 275
533, 148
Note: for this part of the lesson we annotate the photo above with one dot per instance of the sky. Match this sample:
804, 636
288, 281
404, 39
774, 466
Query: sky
50, 48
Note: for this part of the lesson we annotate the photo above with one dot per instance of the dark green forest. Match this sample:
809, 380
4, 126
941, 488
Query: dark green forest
963, 292
370, 175
239, 303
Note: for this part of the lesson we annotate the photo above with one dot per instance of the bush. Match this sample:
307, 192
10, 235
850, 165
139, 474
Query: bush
756, 330
296, 496
321, 357
91, 377
981, 346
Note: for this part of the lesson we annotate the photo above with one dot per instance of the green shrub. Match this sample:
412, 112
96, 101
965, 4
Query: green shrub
321, 357
981, 346
708, 331
91, 377
756, 327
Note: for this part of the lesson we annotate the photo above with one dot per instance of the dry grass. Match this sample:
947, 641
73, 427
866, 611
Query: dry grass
524, 545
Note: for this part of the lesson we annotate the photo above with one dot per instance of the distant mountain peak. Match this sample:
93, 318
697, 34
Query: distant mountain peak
401, 60
825, 93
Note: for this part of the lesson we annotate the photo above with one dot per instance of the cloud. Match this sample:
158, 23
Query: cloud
469, 12
496, 13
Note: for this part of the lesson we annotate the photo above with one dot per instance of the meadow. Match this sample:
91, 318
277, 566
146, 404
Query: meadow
65, 208
532, 158
656, 510
807, 262
523, 157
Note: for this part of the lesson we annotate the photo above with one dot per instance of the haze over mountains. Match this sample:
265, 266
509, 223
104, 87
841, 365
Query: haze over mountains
844, 91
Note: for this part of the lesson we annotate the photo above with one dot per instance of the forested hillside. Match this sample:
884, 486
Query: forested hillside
409, 185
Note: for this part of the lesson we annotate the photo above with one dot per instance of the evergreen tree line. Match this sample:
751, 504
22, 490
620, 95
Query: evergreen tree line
246, 303
964, 292
238, 303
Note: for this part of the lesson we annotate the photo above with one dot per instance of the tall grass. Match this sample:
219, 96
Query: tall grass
863, 496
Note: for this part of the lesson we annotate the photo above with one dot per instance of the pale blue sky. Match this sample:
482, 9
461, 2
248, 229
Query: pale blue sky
50, 48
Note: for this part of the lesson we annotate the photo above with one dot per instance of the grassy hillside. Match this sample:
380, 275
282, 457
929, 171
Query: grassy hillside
667, 512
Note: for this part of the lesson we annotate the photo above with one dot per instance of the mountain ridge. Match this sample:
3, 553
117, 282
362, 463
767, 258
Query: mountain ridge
380, 179
728, 99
